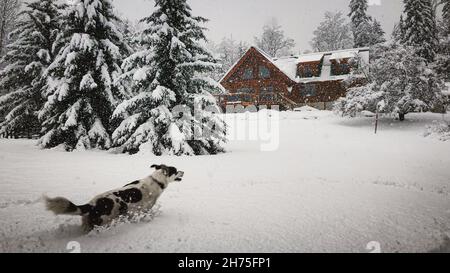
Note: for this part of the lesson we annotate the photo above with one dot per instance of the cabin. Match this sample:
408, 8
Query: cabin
315, 79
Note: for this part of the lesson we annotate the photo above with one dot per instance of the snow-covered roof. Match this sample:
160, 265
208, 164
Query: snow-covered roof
313, 57
347, 54
288, 65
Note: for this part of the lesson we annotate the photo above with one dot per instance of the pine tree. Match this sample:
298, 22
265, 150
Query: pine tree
82, 90
170, 111
28, 57
361, 23
443, 58
420, 28
401, 83
377, 33
446, 16
399, 30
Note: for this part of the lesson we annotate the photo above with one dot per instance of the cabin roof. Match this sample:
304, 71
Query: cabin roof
288, 65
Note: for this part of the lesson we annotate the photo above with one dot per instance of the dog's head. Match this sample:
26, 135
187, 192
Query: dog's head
170, 174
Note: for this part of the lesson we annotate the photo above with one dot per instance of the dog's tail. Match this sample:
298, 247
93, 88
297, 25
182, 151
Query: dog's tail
61, 205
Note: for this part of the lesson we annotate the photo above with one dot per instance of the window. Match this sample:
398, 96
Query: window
264, 72
306, 71
340, 69
267, 97
267, 89
233, 98
309, 90
248, 74
245, 90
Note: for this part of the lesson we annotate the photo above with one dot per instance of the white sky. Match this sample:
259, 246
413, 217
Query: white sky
243, 19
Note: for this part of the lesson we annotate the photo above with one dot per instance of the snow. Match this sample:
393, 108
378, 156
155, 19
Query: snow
447, 90
288, 66
348, 54
331, 186
305, 109
307, 58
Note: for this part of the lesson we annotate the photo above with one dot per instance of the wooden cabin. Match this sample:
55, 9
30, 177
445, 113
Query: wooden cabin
311, 79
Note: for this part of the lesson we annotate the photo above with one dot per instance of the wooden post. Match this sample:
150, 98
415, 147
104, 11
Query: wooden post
376, 121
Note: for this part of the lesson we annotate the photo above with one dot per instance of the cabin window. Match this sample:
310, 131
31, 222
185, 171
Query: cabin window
245, 90
248, 74
309, 90
307, 72
340, 69
267, 94
267, 89
264, 72
267, 97
240, 98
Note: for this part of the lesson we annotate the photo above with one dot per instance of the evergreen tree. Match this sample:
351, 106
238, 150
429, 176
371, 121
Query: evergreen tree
399, 30
171, 109
361, 23
82, 90
420, 28
401, 83
377, 33
446, 16
443, 57
28, 57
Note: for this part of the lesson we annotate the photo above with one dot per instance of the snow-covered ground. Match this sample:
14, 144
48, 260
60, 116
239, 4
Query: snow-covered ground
331, 186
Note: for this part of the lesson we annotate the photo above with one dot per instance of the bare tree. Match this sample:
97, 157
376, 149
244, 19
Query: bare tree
333, 33
8, 16
273, 41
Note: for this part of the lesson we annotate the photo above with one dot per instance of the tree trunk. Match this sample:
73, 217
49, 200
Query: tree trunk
401, 116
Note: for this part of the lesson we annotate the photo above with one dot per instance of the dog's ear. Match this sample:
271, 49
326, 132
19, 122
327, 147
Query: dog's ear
157, 167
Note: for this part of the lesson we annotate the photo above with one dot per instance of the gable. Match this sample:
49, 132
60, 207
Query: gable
252, 59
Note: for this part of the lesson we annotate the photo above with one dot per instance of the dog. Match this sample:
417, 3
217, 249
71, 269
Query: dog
136, 197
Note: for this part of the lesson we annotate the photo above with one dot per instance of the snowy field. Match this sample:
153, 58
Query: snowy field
332, 186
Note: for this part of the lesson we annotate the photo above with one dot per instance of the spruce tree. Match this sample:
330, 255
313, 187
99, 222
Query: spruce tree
399, 30
443, 57
82, 90
377, 33
446, 16
28, 57
173, 107
420, 28
361, 23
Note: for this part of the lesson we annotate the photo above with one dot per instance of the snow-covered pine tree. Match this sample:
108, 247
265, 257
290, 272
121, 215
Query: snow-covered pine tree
446, 15
170, 110
398, 32
361, 23
401, 83
168, 77
443, 57
420, 29
82, 90
377, 33
27, 58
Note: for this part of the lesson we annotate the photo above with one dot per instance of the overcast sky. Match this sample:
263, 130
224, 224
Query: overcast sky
243, 19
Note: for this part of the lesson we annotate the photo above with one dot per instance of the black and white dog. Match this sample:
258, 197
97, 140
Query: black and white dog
136, 197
